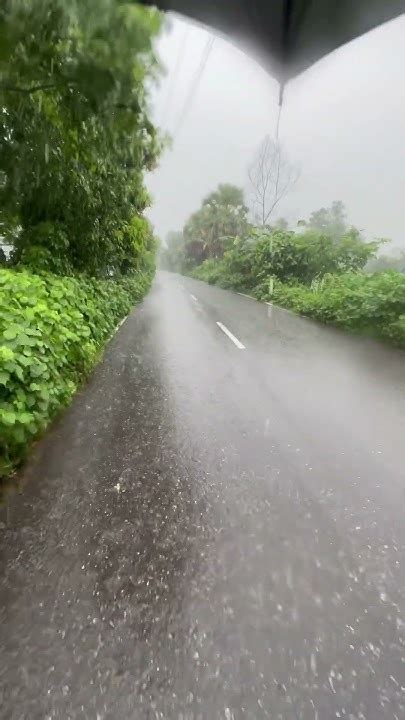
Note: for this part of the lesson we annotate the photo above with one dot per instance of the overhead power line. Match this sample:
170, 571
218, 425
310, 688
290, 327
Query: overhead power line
172, 81
195, 83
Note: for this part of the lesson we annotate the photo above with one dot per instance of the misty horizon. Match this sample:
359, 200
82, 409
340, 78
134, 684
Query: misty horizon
346, 146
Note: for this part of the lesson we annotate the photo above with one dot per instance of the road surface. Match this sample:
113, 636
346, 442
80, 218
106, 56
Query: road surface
215, 528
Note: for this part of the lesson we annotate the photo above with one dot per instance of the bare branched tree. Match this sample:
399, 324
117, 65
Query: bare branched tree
271, 176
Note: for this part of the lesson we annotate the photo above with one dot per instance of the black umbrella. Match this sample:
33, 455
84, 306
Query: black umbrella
287, 36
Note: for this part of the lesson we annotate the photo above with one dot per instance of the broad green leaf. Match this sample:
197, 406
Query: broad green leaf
11, 333
7, 417
4, 377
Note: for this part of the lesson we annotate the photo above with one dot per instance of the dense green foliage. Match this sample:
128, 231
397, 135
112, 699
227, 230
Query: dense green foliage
319, 272
75, 137
308, 275
75, 142
372, 304
222, 215
285, 255
51, 330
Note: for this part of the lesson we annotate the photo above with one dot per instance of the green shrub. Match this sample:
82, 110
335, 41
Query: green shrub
211, 271
290, 257
51, 331
372, 304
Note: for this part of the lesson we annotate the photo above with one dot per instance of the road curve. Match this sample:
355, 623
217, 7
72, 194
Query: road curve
214, 529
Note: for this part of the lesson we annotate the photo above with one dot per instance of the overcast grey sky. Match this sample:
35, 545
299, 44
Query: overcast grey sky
343, 123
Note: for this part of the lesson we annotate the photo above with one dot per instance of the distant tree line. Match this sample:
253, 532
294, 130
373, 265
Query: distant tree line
324, 268
240, 238
219, 236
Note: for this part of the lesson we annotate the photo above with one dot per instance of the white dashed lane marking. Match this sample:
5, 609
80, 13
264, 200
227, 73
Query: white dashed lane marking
231, 336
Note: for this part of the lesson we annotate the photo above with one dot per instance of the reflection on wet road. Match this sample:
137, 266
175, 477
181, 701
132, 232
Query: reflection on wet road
213, 533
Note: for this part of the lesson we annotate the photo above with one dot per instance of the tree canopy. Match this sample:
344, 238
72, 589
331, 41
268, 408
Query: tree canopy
223, 214
330, 221
75, 134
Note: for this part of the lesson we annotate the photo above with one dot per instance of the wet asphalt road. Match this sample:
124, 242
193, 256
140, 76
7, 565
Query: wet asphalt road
213, 532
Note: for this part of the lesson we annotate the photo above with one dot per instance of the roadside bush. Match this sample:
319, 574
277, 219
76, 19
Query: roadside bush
210, 271
51, 331
371, 304
285, 255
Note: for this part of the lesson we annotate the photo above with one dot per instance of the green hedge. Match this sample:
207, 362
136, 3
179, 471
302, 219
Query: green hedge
367, 303
52, 329
210, 271
373, 304
290, 257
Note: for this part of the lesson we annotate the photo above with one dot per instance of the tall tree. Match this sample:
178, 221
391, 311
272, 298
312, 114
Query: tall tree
223, 214
271, 177
75, 136
331, 221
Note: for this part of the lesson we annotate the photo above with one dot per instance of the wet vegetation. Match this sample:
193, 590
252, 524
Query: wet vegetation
52, 333
75, 142
324, 268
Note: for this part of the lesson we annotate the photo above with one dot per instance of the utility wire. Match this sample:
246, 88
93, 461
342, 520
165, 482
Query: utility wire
195, 83
174, 75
